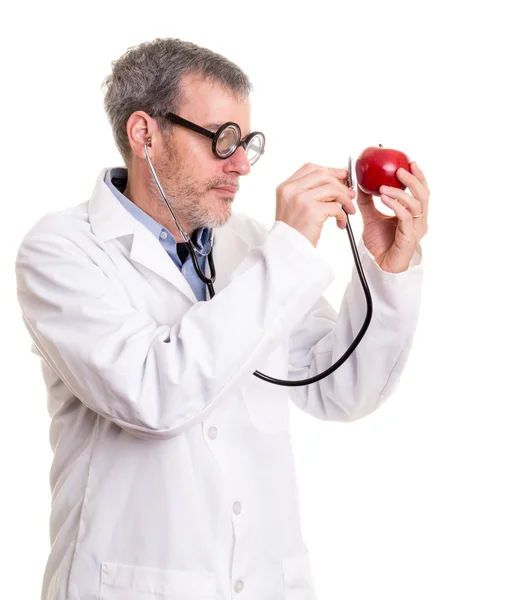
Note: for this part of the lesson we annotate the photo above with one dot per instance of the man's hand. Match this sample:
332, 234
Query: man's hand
392, 240
310, 196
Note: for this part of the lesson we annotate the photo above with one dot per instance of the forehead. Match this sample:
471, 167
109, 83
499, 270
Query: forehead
207, 102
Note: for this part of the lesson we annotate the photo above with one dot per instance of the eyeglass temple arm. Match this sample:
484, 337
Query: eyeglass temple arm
189, 125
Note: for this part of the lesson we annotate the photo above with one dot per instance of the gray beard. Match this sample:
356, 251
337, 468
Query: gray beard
188, 211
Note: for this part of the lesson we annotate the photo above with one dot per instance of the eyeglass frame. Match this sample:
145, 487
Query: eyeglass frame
214, 136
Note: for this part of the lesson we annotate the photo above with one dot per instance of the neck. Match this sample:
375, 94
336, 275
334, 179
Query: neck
149, 199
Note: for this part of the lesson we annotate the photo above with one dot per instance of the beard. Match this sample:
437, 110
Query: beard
187, 195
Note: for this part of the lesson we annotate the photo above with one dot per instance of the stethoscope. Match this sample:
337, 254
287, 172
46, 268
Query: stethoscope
209, 281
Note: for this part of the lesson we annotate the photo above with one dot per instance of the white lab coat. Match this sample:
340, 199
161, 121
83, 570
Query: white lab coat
173, 476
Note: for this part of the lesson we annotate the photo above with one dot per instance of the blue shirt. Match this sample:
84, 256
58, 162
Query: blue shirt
167, 240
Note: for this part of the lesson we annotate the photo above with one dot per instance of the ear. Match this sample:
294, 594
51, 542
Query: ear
140, 129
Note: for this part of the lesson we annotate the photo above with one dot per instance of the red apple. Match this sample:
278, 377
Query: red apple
376, 166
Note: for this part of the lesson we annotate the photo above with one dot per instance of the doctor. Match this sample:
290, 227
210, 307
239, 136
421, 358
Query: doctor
173, 475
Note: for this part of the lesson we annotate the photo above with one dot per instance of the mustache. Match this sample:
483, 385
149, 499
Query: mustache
220, 182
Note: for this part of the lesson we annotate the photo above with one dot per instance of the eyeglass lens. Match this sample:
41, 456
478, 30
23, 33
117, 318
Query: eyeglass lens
229, 139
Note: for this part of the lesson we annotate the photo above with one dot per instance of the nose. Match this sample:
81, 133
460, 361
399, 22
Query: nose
237, 163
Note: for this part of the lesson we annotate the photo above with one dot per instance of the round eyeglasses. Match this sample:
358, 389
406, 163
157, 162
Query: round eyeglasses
227, 138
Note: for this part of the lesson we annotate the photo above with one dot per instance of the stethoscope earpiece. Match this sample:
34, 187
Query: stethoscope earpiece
192, 249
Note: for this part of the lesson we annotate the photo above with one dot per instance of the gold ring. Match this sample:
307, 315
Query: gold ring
417, 216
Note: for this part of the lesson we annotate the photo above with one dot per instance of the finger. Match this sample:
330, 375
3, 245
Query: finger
318, 181
416, 186
404, 217
333, 209
417, 171
366, 206
413, 183
308, 168
315, 179
411, 203
331, 192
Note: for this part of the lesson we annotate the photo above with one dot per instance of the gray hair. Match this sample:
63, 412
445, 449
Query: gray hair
148, 78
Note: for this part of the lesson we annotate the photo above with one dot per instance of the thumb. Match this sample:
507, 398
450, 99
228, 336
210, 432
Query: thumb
366, 205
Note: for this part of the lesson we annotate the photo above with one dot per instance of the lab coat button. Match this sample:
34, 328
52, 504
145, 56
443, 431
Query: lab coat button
238, 586
236, 508
213, 433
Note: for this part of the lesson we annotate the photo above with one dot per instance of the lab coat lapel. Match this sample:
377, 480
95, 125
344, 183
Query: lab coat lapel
148, 252
109, 220
229, 251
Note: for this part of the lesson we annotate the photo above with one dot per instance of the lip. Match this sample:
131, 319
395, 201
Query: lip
227, 188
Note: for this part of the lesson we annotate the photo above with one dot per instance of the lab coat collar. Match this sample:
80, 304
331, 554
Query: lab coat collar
110, 220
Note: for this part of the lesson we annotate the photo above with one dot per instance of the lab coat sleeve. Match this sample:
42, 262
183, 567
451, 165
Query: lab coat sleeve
371, 373
156, 380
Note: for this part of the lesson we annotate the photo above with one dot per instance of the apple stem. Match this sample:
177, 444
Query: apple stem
380, 145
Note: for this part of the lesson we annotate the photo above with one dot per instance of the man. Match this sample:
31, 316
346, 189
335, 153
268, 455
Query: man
173, 473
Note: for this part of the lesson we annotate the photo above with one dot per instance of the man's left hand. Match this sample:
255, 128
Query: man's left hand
392, 240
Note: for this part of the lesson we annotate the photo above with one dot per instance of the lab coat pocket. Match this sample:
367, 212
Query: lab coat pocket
298, 578
267, 403
127, 582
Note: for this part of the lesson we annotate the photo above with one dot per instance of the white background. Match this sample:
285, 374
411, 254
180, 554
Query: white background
416, 500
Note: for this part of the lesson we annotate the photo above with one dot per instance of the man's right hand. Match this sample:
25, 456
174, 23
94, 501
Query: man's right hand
310, 196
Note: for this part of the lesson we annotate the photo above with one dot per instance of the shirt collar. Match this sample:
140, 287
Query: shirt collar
116, 181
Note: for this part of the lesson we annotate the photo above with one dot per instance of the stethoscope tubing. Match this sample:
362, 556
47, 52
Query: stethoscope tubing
209, 281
